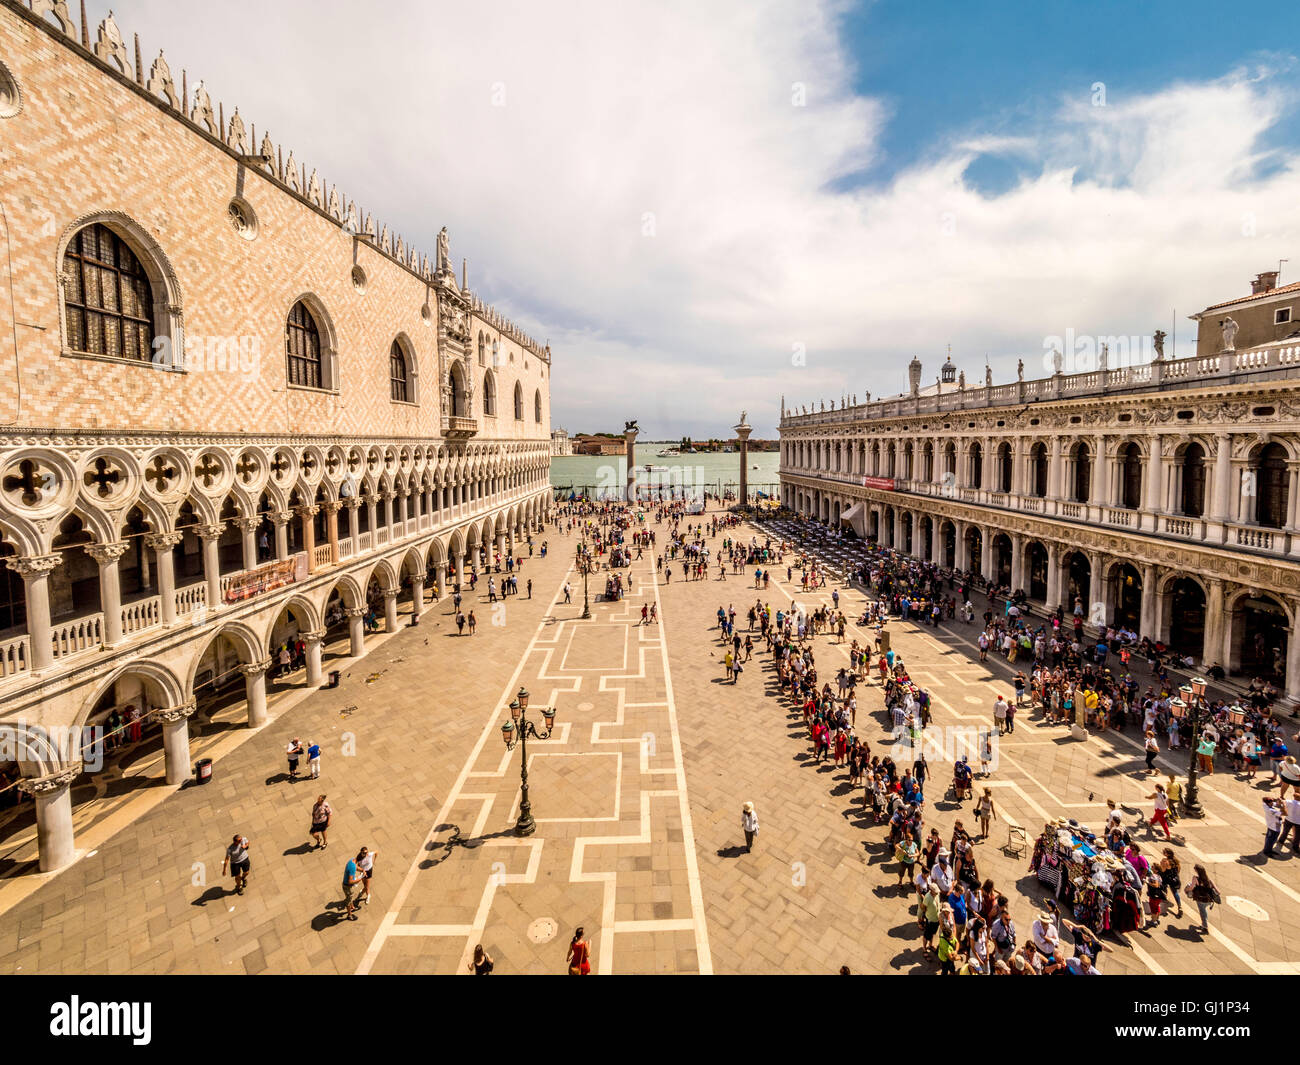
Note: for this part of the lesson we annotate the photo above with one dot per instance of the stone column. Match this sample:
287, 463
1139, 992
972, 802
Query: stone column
210, 535
1053, 574
1017, 562
1099, 489
163, 545
1149, 623
356, 630
176, 740
988, 567
255, 690
629, 445
1215, 630
35, 571
280, 519
390, 608
417, 594
1055, 470
1155, 484
313, 641
1097, 589
110, 588
332, 527
248, 538
308, 516
460, 570
1222, 477
372, 512
54, 836
742, 434
1292, 665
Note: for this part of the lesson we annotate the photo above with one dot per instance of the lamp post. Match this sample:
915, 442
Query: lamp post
1193, 697
584, 565
516, 732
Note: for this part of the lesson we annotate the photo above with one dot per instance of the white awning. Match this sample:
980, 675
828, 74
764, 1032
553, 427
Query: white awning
856, 518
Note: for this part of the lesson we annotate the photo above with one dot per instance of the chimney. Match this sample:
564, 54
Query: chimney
1265, 282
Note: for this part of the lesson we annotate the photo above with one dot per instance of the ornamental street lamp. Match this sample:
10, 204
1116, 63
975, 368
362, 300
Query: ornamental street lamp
1193, 698
584, 567
516, 732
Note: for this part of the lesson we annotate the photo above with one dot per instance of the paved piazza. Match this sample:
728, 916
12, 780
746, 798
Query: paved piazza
637, 799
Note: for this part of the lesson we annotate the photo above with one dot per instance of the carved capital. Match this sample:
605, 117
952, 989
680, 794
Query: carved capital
309, 511
331, 506
210, 532
314, 636
106, 553
354, 611
248, 524
391, 593
255, 669
280, 517
51, 782
164, 540
34, 565
172, 714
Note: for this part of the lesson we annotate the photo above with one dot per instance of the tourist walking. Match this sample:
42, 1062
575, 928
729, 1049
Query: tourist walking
1160, 816
236, 860
293, 750
472, 622
313, 759
321, 813
352, 878
482, 965
1152, 749
579, 956
1274, 816
749, 825
366, 863
1204, 894
986, 812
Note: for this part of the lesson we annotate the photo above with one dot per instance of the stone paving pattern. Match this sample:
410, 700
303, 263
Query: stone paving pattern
637, 799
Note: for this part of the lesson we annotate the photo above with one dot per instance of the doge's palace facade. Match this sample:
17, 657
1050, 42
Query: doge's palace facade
1161, 494
235, 410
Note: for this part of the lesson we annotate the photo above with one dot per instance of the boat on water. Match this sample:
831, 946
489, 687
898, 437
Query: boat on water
655, 469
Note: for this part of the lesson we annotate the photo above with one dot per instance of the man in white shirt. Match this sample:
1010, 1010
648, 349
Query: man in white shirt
1046, 936
1292, 825
941, 873
1272, 824
1000, 714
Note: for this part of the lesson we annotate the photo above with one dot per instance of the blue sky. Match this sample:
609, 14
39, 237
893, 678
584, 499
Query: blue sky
964, 67
708, 206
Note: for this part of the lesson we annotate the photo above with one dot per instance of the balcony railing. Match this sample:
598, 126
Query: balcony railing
322, 556
363, 542
460, 427
142, 614
191, 598
77, 635
15, 655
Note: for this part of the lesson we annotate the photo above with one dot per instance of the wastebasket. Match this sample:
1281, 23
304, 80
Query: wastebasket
203, 770
335, 674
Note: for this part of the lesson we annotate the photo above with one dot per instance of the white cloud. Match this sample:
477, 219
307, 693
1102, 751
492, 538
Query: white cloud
684, 110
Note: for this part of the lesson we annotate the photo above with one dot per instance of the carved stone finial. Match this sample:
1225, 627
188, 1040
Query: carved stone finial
160, 82
201, 113
235, 133
110, 47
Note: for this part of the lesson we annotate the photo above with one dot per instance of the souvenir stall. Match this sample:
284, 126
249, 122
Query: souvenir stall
1086, 876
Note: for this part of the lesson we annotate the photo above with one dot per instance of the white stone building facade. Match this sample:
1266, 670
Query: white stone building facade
1164, 495
236, 410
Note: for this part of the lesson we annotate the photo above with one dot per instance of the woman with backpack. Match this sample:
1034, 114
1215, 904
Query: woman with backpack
1204, 894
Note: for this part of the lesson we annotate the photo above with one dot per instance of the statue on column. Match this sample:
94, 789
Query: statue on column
1159, 340
988, 376
1020, 370
444, 252
1058, 360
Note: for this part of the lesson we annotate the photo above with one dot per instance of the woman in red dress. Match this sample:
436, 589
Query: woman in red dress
579, 957
841, 746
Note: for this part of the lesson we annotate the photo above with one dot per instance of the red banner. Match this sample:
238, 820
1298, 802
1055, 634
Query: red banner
885, 484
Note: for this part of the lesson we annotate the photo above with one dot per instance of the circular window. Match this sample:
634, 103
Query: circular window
358, 279
426, 314
242, 218
11, 96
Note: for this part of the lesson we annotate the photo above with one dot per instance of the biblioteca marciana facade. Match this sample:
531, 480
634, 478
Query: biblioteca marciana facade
236, 412
1161, 494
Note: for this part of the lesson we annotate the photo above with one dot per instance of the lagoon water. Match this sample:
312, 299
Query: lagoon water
712, 470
